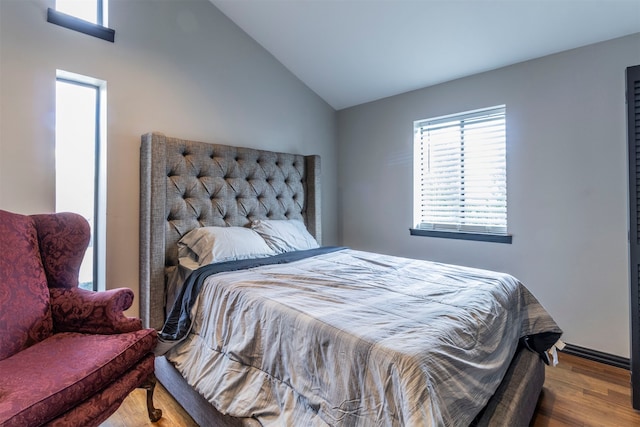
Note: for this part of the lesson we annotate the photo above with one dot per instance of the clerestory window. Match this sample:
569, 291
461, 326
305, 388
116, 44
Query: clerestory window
86, 16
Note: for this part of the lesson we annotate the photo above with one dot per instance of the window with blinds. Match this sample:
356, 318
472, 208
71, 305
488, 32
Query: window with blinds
461, 173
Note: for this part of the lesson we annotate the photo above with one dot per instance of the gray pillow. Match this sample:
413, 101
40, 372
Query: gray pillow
207, 245
285, 235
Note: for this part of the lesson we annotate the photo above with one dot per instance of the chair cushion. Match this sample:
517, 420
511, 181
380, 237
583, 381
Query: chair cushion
25, 314
97, 408
52, 376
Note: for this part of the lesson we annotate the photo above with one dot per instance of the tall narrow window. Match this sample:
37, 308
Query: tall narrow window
80, 160
460, 174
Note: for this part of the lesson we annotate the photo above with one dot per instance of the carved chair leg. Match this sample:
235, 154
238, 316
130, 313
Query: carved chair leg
150, 386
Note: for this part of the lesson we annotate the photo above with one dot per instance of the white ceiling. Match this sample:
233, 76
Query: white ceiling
355, 51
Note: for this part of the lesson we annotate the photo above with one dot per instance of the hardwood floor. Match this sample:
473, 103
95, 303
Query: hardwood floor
133, 411
578, 392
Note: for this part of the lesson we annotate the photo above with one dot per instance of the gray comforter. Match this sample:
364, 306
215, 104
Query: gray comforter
351, 338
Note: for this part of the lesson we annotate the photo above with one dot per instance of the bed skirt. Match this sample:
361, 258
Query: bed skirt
513, 403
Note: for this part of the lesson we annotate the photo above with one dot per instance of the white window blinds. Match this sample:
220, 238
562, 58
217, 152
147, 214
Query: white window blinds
460, 172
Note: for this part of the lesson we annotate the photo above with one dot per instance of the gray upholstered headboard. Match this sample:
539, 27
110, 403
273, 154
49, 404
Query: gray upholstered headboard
189, 184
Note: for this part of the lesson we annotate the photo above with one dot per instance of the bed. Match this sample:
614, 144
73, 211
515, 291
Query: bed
493, 375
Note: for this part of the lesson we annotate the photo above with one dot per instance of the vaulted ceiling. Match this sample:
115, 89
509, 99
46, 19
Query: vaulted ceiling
354, 51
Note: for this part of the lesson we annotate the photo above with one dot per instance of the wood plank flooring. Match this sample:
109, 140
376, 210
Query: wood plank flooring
133, 411
578, 392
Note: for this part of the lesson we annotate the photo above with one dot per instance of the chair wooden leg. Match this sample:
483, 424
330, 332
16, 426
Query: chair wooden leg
150, 386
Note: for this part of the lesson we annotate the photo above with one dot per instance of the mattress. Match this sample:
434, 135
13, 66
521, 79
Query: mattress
351, 338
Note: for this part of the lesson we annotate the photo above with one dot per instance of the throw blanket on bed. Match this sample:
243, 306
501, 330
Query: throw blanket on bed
350, 338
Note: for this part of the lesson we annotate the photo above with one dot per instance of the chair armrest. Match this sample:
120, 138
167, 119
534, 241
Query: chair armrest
80, 310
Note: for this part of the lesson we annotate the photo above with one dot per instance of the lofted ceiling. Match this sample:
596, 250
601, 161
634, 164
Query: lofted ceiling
354, 51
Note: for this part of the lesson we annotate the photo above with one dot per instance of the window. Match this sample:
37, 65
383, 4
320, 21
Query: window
80, 164
460, 188
93, 11
86, 16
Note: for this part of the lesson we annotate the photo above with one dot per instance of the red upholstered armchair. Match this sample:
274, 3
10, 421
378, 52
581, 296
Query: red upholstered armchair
68, 357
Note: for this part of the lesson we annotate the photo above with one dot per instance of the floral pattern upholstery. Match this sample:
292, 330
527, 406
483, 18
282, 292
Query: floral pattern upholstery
100, 406
70, 377
63, 240
68, 356
25, 313
80, 310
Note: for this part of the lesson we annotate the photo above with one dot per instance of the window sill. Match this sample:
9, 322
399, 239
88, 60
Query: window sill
496, 238
77, 24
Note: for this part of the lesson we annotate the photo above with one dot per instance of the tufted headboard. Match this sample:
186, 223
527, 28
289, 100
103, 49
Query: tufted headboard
189, 184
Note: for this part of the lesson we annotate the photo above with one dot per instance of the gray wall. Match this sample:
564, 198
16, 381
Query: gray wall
182, 68
566, 178
178, 67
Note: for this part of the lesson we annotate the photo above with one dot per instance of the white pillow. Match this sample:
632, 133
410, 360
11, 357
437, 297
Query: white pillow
285, 235
207, 245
